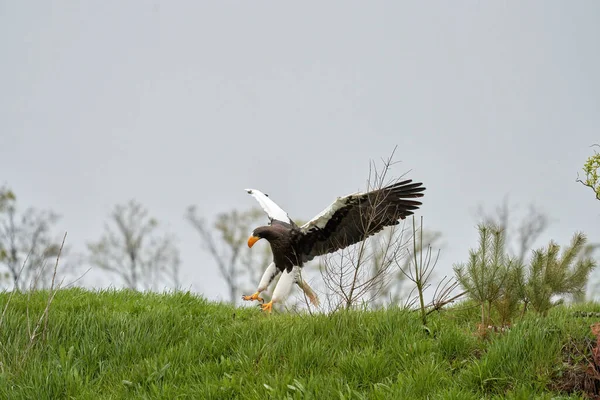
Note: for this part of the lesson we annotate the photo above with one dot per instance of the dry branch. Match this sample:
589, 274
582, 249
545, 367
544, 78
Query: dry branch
362, 272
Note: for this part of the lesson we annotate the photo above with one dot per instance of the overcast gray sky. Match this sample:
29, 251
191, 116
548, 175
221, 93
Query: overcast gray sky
189, 102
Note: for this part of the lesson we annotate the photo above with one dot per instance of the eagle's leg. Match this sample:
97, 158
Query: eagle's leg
268, 276
283, 288
308, 291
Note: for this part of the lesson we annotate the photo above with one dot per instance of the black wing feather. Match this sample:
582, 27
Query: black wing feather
362, 216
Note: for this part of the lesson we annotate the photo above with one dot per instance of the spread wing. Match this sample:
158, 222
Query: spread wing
274, 212
353, 218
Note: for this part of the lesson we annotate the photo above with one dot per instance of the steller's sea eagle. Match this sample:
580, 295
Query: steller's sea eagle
348, 220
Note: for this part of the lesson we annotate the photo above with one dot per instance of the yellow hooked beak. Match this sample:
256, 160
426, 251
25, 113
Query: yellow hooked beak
252, 240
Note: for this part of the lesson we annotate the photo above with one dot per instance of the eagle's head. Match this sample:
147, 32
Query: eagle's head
259, 233
264, 232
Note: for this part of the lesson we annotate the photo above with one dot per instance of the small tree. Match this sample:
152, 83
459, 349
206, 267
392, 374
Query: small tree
26, 243
551, 275
366, 272
591, 168
395, 290
485, 274
133, 249
361, 273
228, 245
418, 267
511, 293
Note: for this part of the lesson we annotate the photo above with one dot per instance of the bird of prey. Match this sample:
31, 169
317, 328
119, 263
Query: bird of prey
348, 220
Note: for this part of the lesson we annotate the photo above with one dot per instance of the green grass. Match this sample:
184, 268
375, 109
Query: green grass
123, 344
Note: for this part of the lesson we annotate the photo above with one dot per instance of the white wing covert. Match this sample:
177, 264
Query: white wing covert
320, 220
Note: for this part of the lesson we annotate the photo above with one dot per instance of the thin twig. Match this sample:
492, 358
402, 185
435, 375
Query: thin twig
439, 305
76, 280
44, 317
52, 284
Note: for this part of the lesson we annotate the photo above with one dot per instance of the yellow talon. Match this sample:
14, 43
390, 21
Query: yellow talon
255, 296
267, 307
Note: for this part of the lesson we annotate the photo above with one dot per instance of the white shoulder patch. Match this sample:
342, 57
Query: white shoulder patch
269, 206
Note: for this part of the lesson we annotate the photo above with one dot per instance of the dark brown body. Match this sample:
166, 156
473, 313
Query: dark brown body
280, 236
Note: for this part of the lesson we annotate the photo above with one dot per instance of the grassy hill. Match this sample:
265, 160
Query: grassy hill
122, 344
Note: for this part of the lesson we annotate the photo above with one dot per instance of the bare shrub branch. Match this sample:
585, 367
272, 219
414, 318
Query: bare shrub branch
418, 270
363, 272
442, 295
